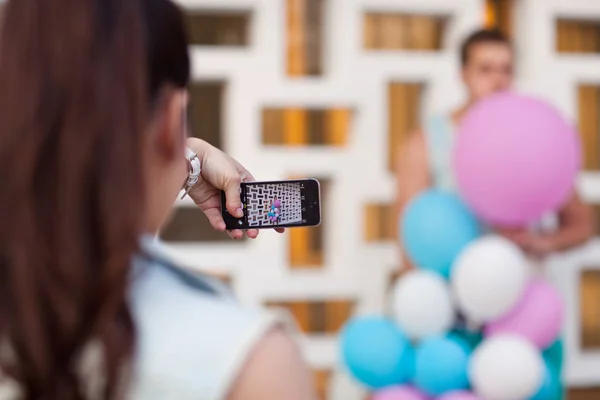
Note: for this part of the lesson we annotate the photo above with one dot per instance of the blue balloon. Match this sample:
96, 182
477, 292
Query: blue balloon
555, 354
376, 352
441, 365
435, 228
471, 339
551, 387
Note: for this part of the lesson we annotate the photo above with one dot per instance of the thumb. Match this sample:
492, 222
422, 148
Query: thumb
233, 202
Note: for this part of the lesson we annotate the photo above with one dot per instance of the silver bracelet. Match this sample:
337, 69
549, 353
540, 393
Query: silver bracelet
194, 170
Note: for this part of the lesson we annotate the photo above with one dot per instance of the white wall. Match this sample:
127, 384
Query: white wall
358, 80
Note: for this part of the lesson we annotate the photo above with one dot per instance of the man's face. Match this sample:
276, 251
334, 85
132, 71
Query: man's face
489, 69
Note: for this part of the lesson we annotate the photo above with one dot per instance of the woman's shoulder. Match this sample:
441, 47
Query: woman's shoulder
193, 336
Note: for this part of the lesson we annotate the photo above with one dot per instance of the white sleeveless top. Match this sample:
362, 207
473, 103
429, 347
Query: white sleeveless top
192, 336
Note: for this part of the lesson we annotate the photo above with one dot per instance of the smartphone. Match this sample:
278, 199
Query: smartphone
277, 204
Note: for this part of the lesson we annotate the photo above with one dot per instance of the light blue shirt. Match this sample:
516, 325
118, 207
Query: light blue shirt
440, 137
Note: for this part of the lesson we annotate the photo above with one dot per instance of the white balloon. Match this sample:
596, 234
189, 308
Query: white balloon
488, 278
506, 367
422, 304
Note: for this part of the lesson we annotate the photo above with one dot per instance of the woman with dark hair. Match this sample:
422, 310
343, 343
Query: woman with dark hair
92, 156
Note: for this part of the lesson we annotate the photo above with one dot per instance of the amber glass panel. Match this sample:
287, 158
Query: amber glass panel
379, 223
205, 115
188, 224
590, 309
577, 36
589, 125
321, 380
304, 127
385, 31
305, 19
499, 15
212, 28
584, 394
307, 245
404, 112
320, 317
596, 208
206, 111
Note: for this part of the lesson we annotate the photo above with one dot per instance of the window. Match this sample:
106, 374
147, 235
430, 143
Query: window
189, 224
380, 223
205, 115
404, 115
206, 111
307, 246
321, 380
589, 125
584, 394
577, 36
304, 127
499, 15
305, 19
403, 32
589, 304
318, 317
214, 28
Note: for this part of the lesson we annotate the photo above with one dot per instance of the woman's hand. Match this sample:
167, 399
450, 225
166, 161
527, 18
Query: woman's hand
220, 172
534, 244
537, 245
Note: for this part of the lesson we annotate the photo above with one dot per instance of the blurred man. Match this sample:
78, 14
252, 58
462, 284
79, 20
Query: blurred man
424, 161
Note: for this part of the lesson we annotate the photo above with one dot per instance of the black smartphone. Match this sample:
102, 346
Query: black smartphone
277, 204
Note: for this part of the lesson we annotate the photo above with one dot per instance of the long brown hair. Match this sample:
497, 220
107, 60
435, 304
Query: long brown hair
78, 82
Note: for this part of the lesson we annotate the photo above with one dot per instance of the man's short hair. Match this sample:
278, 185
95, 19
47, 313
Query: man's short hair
479, 37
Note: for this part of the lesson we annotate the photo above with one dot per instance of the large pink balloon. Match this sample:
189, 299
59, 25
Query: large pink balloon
460, 395
538, 316
400, 393
515, 159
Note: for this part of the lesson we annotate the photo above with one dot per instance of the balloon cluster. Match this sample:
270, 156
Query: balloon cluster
470, 323
275, 211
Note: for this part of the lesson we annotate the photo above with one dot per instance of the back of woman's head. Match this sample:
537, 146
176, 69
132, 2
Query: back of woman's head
79, 82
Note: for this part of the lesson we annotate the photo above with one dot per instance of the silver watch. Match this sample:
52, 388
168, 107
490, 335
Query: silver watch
194, 170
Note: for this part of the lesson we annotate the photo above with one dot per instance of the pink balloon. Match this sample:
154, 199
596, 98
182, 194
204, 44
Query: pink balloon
400, 393
277, 203
515, 159
538, 316
460, 395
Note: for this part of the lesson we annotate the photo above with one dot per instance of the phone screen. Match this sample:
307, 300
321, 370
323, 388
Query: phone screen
286, 204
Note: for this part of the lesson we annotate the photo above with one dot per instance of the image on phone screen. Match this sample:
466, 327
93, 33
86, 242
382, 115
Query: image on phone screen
293, 203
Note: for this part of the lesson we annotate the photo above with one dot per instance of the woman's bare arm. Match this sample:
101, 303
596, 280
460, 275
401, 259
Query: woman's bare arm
274, 371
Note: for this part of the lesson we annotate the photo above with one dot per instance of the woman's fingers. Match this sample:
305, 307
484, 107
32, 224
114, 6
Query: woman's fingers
215, 218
